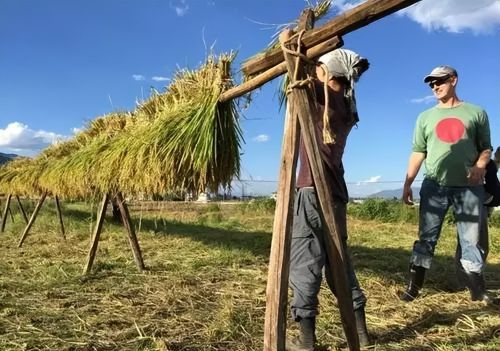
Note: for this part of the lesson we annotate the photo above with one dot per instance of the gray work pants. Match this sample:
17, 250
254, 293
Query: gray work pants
308, 255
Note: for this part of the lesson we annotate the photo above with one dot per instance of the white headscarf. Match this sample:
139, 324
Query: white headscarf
348, 64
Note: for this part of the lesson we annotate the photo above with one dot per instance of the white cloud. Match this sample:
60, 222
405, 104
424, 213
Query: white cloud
374, 179
262, 138
180, 6
456, 16
424, 100
19, 137
138, 77
160, 79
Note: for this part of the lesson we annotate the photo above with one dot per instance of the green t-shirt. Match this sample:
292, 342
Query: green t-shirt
452, 139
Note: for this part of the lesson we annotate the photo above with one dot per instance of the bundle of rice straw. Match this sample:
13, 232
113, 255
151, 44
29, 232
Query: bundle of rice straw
183, 139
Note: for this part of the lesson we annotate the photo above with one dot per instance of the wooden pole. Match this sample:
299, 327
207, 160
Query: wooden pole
5, 212
96, 235
279, 262
59, 214
32, 219
355, 18
303, 101
21, 208
278, 70
132, 238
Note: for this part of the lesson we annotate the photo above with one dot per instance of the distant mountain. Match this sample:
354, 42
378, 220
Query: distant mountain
394, 194
4, 158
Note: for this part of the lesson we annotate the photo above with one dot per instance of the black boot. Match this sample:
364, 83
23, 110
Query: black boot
477, 288
305, 341
363, 336
417, 275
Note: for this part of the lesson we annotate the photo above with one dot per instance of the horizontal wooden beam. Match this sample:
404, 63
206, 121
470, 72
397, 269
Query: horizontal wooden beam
353, 19
276, 71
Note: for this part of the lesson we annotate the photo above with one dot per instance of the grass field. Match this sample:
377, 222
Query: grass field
205, 284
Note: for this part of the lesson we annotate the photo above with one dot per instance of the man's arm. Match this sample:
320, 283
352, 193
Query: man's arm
414, 164
477, 172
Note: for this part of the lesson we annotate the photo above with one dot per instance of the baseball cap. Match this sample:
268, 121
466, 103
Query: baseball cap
440, 72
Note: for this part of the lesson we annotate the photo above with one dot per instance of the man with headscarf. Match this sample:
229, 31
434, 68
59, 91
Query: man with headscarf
337, 71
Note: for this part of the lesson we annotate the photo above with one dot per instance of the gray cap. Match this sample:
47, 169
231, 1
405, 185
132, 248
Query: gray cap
440, 72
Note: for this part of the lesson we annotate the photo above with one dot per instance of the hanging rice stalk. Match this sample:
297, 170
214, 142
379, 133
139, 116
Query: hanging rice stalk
180, 140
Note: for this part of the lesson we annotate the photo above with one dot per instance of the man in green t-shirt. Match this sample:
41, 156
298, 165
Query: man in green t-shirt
453, 139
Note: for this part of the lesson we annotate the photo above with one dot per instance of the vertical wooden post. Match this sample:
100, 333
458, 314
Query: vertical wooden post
21, 208
5, 212
132, 238
59, 214
32, 219
97, 233
304, 105
279, 263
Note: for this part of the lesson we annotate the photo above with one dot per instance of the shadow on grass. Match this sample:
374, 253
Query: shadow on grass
257, 242
431, 319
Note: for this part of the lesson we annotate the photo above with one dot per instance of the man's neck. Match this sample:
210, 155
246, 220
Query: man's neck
449, 102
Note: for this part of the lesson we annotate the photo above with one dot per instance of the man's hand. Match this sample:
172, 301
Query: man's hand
407, 195
476, 175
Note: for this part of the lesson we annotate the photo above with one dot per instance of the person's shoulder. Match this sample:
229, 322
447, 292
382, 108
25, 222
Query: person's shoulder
424, 114
473, 108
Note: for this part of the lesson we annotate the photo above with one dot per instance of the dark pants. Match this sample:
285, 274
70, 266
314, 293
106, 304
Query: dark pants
308, 255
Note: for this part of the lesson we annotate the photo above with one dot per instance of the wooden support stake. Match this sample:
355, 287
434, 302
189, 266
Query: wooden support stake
132, 238
303, 101
11, 215
355, 18
279, 262
59, 214
96, 235
21, 208
278, 70
32, 219
5, 211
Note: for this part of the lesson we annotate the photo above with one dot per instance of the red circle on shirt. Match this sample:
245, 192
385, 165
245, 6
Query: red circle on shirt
450, 130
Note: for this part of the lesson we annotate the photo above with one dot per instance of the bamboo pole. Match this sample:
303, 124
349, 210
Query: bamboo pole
279, 262
355, 18
59, 214
5, 212
96, 235
32, 219
21, 208
278, 70
132, 238
302, 99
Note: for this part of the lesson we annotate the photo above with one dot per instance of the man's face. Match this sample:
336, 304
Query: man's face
443, 87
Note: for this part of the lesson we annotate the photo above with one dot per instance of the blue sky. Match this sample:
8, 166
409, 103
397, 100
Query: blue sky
63, 63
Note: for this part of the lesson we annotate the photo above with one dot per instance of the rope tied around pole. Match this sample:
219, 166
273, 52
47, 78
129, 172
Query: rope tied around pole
328, 135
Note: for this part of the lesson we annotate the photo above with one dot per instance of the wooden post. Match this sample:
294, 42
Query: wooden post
132, 238
59, 214
32, 219
5, 212
21, 208
97, 233
352, 19
303, 102
279, 263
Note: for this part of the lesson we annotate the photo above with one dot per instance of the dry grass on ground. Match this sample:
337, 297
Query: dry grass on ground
205, 285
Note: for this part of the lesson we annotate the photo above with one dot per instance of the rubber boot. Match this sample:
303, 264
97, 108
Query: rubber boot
363, 336
307, 338
475, 284
417, 275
